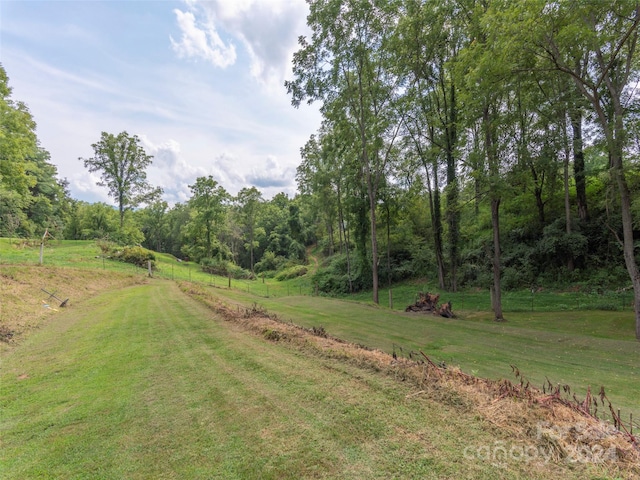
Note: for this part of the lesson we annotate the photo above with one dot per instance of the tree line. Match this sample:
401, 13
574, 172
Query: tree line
480, 106
481, 143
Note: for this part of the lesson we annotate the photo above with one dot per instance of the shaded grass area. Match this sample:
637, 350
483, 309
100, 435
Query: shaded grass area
580, 349
146, 383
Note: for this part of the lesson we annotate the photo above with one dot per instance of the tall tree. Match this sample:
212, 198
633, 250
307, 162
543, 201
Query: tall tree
249, 201
596, 48
32, 198
347, 65
153, 221
208, 202
122, 163
17, 142
430, 36
486, 90
611, 37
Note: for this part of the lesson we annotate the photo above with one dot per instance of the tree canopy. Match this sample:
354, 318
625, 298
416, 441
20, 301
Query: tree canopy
484, 144
122, 163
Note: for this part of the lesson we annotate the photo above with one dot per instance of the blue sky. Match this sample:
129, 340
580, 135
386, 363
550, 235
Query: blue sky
201, 84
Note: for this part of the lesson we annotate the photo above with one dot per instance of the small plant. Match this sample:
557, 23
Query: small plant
319, 331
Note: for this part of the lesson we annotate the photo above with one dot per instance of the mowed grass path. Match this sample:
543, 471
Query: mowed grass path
145, 382
579, 349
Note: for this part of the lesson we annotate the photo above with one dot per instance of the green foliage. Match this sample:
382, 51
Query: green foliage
224, 268
269, 262
335, 278
122, 163
291, 272
32, 199
135, 255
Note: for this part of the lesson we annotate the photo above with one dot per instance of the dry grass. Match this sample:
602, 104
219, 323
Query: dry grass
24, 306
542, 421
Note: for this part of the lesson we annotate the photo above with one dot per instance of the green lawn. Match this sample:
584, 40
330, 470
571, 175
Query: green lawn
145, 382
580, 348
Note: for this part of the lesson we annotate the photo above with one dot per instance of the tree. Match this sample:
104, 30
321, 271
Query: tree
596, 48
208, 203
429, 38
486, 92
31, 197
347, 65
122, 164
611, 37
153, 221
249, 200
17, 142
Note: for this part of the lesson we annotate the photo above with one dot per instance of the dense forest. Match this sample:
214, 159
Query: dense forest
489, 144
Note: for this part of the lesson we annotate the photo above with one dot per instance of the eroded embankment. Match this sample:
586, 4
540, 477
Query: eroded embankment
26, 305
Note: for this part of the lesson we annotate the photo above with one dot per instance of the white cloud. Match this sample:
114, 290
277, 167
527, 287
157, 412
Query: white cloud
268, 29
194, 122
271, 175
170, 170
201, 40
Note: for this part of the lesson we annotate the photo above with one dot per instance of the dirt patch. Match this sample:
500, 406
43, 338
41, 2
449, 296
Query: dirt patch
25, 306
546, 423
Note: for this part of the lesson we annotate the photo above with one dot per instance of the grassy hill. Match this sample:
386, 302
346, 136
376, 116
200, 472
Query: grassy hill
135, 379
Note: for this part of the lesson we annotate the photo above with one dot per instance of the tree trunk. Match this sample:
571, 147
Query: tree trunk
497, 295
578, 163
453, 212
492, 160
567, 198
374, 237
436, 213
436, 224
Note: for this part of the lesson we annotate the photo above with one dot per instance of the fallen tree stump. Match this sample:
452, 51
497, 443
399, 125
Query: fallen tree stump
428, 302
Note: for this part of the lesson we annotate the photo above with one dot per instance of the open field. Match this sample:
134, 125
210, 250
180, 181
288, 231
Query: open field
86, 254
144, 382
580, 348
150, 355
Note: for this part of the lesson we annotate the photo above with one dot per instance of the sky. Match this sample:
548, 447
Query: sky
199, 82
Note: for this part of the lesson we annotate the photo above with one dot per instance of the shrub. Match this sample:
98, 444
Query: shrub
333, 278
224, 268
269, 261
136, 255
291, 272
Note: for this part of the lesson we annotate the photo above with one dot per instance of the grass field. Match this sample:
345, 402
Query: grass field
136, 380
151, 385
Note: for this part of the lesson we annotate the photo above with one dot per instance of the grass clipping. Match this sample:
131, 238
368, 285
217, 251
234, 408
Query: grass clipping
545, 420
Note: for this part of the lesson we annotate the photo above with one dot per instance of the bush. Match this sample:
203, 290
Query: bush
270, 261
291, 272
224, 268
333, 278
138, 256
